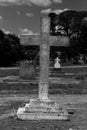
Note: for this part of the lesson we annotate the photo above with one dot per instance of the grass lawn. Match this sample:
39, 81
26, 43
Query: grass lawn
73, 103
72, 81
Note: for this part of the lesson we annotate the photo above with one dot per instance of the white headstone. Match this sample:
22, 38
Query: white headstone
57, 63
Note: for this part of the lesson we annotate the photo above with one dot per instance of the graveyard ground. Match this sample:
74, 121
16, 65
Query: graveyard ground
68, 88
75, 104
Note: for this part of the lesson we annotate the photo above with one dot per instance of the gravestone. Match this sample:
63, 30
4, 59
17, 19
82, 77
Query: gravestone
27, 70
43, 107
57, 63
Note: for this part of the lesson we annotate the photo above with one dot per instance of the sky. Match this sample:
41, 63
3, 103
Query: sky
23, 16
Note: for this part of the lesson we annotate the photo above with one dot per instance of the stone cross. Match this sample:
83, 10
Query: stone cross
44, 40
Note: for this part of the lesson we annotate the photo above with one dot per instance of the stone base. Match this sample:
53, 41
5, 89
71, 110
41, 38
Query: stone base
39, 109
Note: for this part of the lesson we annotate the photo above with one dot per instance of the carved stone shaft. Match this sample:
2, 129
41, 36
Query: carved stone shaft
44, 60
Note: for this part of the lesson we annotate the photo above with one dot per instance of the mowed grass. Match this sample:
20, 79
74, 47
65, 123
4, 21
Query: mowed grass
76, 104
54, 88
14, 95
71, 80
6, 71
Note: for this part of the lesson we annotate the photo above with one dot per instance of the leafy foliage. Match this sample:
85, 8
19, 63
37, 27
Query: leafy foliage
72, 24
10, 49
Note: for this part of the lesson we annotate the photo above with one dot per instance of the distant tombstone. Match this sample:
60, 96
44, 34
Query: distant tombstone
57, 63
81, 57
27, 70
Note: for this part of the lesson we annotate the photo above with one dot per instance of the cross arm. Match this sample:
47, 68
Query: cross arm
61, 41
28, 40
53, 40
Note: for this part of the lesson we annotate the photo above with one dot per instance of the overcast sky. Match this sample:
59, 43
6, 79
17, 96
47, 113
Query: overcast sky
23, 16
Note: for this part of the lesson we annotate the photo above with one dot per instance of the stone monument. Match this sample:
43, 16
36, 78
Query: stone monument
43, 107
57, 63
27, 70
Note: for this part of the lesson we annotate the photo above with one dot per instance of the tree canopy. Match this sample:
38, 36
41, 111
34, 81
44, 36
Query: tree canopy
10, 49
72, 24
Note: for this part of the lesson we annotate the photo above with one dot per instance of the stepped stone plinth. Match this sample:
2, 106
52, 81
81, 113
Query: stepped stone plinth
42, 109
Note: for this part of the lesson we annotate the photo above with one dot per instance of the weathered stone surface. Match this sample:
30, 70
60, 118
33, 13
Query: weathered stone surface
61, 41
27, 70
27, 40
43, 108
44, 60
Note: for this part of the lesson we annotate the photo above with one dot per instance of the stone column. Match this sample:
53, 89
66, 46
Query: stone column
44, 59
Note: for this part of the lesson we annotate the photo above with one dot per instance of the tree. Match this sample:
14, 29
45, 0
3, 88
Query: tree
10, 49
74, 25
